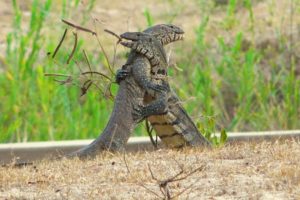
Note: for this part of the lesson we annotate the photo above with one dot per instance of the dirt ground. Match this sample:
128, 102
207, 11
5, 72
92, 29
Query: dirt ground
241, 171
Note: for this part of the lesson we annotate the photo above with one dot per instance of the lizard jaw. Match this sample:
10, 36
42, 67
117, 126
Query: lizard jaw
128, 44
173, 37
178, 37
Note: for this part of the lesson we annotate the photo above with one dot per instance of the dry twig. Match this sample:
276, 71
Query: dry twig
125, 161
98, 73
149, 131
89, 81
87, 61
85, 86
60, 42
74, 48
115, 45
163, 184
79, 27
114, 34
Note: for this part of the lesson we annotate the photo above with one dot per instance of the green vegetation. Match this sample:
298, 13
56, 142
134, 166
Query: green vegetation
238, 84
34, 107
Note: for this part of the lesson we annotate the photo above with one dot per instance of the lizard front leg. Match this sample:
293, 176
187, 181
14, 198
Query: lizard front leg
123, 73
156, 107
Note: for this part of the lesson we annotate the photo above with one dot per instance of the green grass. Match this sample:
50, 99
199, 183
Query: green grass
228, 81
34, 107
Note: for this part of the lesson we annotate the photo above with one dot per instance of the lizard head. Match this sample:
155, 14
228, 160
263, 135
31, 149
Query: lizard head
137, 40
164, 33
136, 36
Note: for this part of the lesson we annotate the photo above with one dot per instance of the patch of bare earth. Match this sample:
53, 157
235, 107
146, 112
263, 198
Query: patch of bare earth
242, 171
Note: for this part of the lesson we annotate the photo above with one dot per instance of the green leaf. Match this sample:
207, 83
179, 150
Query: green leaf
149, 17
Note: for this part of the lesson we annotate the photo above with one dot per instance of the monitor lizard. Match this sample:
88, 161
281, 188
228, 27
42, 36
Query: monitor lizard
121, 123
165, 113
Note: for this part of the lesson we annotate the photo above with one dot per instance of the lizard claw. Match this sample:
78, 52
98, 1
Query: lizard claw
121, 75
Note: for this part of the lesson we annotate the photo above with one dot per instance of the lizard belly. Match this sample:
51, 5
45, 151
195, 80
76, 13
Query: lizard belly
169, 133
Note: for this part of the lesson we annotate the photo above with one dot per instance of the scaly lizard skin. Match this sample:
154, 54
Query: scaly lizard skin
166, 114
152, 49
121, 123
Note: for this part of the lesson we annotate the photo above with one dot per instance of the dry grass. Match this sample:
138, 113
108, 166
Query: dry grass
242, 171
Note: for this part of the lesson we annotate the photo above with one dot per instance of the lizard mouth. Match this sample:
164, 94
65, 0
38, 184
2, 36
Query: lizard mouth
133, 36
127, 44
178, 36
172, 38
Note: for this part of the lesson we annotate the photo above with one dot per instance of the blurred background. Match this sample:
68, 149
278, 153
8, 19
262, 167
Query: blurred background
237, 68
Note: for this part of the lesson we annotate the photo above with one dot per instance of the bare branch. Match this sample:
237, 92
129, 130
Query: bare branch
124, 158
69, 80
85, 87
149, 131
192, 172
151, 191
115, 46
51, 74
105, 55
102, 49
107, 92
60, 42
98, 88
163, 184
185, 189
79, 27
87, 60
152, 175
98, 73
172, 179
74, 48
114, 34
77, 64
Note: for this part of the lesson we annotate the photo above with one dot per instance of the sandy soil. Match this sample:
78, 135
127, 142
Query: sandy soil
241, 171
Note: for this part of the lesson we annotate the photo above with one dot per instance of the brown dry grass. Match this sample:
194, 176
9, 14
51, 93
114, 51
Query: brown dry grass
241, 171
